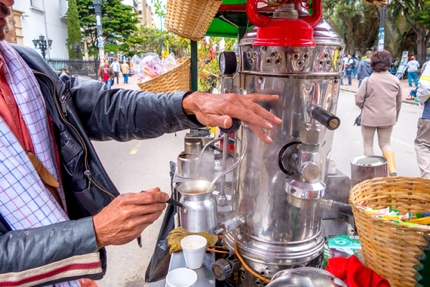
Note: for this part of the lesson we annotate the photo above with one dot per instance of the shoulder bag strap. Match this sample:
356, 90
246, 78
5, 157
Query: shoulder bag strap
365, 94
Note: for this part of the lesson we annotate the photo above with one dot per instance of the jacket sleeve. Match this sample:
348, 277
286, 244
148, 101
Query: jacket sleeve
360, 67
423, 92
361, 93
124, 115
69, 252
398, 100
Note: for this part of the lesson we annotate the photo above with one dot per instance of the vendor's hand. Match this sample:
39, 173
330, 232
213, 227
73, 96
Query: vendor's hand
127, 216
219, 109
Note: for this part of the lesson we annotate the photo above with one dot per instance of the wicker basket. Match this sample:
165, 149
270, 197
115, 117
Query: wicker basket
390, 248
177, 79
190, 18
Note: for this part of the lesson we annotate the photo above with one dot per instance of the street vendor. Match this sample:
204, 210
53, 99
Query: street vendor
58, 207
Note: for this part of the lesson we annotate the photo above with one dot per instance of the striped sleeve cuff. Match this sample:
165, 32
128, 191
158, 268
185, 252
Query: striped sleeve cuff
87, 265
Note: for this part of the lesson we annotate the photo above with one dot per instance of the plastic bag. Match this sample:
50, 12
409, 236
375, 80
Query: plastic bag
147, 67
169, 63
150, 66
158, 266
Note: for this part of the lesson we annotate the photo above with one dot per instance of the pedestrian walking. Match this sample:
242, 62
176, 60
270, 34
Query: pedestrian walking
380, 97
350, 66
116, 69
412, 67
125, 70
356, 64
364, 70
106, 74
344, 61
422, 140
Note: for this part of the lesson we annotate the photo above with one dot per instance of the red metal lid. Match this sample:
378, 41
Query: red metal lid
285, 32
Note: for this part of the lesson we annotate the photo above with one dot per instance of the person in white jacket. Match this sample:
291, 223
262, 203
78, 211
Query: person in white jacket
422, 140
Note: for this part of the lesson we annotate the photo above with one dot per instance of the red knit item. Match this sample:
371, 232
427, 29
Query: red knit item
354, 273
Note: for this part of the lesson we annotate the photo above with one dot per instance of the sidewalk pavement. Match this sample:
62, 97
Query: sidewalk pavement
132, 83
403, 83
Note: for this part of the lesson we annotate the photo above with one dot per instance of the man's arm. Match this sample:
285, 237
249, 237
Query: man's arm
56, 253
361, 93
129, 114
423, 92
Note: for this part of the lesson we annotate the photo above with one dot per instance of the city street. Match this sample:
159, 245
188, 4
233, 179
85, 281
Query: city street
139, 165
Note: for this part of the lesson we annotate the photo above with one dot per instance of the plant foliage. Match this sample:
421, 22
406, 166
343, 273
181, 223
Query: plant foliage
118, 22
73, 29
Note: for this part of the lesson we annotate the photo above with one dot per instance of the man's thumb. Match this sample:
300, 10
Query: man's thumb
227, 122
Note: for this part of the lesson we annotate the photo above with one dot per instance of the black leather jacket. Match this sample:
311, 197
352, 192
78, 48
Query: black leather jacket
83, 110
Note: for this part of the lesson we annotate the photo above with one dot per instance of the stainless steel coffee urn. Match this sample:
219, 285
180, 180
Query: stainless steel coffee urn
278, 187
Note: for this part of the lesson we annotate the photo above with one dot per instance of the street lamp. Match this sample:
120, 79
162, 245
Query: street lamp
42, 44
382, 5
98, 10
77, 47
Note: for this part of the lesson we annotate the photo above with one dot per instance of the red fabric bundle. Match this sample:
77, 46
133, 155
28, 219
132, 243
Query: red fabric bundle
354, 273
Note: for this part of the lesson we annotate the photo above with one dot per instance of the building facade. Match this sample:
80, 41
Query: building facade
32, 18
143, 10
145, 14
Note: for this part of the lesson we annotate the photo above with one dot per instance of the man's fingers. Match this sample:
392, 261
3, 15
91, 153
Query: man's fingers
142, 198
260, 133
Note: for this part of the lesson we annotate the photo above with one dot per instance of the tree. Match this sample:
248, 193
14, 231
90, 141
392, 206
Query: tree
417, 15
160, 10
208, 68
118, 21
406, 28
147, 40
73, 29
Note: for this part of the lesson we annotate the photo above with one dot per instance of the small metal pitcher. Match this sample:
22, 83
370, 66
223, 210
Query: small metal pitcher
199, 209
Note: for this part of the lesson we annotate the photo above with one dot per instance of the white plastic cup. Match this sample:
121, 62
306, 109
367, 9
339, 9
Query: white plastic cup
181, 277
194, 248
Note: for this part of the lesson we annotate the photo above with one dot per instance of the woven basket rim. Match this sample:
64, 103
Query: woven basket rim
190, 18
389, 180
390, 248
389, 223
182, 61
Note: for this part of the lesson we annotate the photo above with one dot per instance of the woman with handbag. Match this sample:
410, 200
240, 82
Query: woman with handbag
106, 74
380, 99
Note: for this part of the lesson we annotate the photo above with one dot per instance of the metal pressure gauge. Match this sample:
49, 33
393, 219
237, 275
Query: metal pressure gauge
227, 63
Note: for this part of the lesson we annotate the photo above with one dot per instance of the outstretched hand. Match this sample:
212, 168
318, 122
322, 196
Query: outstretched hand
219, 109
127, 216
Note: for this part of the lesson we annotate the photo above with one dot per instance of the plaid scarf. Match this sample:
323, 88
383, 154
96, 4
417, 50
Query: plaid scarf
24, 200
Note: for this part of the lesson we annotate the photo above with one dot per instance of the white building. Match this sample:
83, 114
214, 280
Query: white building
33, 18
143, 10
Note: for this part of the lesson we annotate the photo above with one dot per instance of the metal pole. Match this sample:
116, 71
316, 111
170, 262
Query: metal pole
98, 10
381, 34
194, 68
46, 27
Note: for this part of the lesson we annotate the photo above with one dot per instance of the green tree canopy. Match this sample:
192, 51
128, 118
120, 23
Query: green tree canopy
73, 29
406, 26
118, 22
147, 40
417, 15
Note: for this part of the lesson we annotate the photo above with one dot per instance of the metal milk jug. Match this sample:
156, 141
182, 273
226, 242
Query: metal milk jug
199, 210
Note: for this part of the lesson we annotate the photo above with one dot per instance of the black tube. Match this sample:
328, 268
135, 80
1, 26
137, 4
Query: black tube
326, 118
